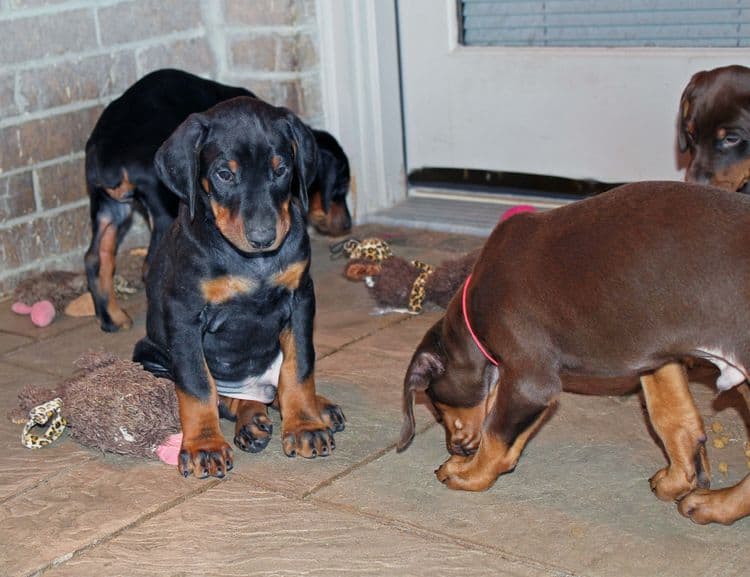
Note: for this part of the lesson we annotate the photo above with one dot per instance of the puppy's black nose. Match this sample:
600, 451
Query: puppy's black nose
262, 238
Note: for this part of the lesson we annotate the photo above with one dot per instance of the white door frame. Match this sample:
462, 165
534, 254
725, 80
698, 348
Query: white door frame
361, 97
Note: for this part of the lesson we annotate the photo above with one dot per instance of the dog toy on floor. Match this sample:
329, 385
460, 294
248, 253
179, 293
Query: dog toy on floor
410, 285
48, 293
400, 285
42, 295
110, 404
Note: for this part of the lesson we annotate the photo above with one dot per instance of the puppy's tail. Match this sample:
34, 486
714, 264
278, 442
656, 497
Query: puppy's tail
425, 366
409, 425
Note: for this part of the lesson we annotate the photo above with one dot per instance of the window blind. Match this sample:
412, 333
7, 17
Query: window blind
667, 23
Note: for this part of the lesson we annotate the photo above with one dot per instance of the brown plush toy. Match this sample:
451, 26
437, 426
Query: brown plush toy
398, 284
44, 295
110, 404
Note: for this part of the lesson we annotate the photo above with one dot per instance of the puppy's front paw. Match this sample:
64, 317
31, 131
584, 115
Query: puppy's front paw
674, 482
670, 484
308, 440
203, 458
462, 473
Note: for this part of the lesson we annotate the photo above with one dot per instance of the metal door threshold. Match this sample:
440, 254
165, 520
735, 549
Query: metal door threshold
455, 211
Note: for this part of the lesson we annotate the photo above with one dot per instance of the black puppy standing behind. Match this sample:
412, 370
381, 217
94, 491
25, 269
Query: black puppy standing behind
230, 299
120, 173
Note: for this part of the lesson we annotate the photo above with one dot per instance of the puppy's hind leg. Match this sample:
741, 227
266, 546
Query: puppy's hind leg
679, 426
721, 506
253, 427
110, 222
515, 410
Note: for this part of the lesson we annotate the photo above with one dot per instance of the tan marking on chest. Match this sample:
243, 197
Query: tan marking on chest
224, 288
291, 275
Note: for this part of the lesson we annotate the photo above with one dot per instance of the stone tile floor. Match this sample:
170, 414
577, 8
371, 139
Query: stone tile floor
577, 504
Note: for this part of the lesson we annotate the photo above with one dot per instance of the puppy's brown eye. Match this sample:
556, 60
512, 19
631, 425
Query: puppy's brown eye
731, 140
224, 175
279, 170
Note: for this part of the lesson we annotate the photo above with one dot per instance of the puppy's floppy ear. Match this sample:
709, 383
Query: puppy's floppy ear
693, 91
176, 161
682, 119
425, 366
305, 154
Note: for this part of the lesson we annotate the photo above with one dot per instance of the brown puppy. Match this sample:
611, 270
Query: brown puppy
714, 127
622, 286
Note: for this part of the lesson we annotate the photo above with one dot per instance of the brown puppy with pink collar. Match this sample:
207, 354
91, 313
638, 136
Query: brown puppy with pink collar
625, 285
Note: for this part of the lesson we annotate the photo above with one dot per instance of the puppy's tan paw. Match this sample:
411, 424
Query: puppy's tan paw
704, 506
461, 473
671, 483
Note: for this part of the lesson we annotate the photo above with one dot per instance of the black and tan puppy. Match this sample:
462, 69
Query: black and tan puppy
328, 212
714, 127
230, 298
120, 174
623, 286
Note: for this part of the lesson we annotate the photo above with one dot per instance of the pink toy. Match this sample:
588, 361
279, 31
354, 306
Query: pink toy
42, 312
169, 449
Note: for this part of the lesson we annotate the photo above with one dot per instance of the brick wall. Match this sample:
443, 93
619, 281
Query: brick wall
62, 61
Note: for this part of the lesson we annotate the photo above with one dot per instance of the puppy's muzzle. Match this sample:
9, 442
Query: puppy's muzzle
461, 449
462, 444
263, 238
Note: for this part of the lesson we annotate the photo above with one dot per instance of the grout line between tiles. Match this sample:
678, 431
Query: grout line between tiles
360, 338
366, 461
400, 525
431, 534
44, 481
203, 488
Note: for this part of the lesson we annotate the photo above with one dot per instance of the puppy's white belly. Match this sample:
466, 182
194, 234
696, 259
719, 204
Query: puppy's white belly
732, 373
260, 388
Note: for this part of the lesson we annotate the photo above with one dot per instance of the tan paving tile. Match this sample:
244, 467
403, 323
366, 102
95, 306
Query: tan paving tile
10, 342
578, 500
237, 530
57, 354
335, 327
400, 338
80, 506
20, 468
373, 424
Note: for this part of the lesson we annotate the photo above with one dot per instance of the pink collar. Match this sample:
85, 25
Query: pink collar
468, 325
